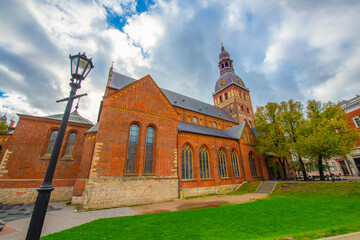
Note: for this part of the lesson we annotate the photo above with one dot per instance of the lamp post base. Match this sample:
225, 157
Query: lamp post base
39, 212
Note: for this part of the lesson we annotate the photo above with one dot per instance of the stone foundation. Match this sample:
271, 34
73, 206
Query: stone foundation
108, 192
190, 192
28, 195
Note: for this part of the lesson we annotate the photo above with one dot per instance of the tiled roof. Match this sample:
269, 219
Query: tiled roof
74, 117
119, 81
94, 128
235, 131
194, 128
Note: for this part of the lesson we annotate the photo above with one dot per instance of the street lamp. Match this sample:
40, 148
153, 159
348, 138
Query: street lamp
80, 68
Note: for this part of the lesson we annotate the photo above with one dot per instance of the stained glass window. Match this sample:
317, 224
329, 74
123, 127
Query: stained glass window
132, 149
51, 143
149, 151
70, 144
235, 163
204, 163
222, 164
187, 169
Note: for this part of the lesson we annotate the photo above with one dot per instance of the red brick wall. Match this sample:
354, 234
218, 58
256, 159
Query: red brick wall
85, 164
351, 115
213, 145
28, 145
143, 103
247, 145
4, 144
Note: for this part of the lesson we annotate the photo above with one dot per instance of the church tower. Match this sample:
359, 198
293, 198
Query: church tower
230, 91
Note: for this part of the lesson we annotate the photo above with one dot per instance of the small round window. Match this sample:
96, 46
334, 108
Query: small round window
195, 120
214, 124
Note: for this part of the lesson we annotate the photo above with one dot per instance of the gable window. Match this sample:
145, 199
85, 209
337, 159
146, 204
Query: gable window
226, 96
186, 162
132, 149
222, 164
70, 144
204, 163
252, 165
51, 143
357, 121
235, 163
149, 151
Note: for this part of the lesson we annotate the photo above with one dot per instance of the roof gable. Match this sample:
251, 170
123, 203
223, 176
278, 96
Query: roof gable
142, 95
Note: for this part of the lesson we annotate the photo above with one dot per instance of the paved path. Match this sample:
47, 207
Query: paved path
59, 220
65, 217
350, 236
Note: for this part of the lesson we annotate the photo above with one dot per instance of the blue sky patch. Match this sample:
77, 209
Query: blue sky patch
249, 17
119, 21
2, 94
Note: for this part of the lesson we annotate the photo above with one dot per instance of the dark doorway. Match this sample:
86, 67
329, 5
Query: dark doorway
357, 163
344, 168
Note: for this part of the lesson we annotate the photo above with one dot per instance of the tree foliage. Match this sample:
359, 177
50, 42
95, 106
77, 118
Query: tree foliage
284, 131
3, 127
328, 133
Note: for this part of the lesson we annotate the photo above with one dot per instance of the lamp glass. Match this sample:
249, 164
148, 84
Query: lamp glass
74, 63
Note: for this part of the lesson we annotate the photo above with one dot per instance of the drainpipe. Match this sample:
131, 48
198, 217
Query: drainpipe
177, 162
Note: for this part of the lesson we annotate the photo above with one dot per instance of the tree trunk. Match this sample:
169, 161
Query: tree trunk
321, 169
303, 170
283, 167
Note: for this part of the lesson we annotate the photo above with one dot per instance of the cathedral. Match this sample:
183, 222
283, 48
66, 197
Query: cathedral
149, 145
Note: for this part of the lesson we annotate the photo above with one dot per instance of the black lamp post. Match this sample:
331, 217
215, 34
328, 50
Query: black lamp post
80, 68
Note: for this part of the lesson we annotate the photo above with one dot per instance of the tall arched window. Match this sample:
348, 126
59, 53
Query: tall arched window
187, 170
70, 144
149, 151
222, 164
0, 149
51, 143
235, 163
132, 149
252, 165
204, 163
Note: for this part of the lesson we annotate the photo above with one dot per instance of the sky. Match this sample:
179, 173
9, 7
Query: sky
281, 49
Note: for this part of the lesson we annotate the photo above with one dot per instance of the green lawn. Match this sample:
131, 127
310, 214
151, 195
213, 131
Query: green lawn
305, 211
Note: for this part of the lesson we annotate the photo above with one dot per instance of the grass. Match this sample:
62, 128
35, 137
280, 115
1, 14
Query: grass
249, 187
303, 211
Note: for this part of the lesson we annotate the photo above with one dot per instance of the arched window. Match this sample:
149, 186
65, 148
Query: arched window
187, 170
242, 108
0, 149
70, 144
247, 109
226, 64
222, 164
226, 96
132, 149
204, 163
235, 163
252, 165
51, 143
222, 65
149, 151
220, 98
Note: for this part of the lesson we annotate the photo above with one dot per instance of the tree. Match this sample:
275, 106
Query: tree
271, 137
292, 121
3, 127
327, 133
